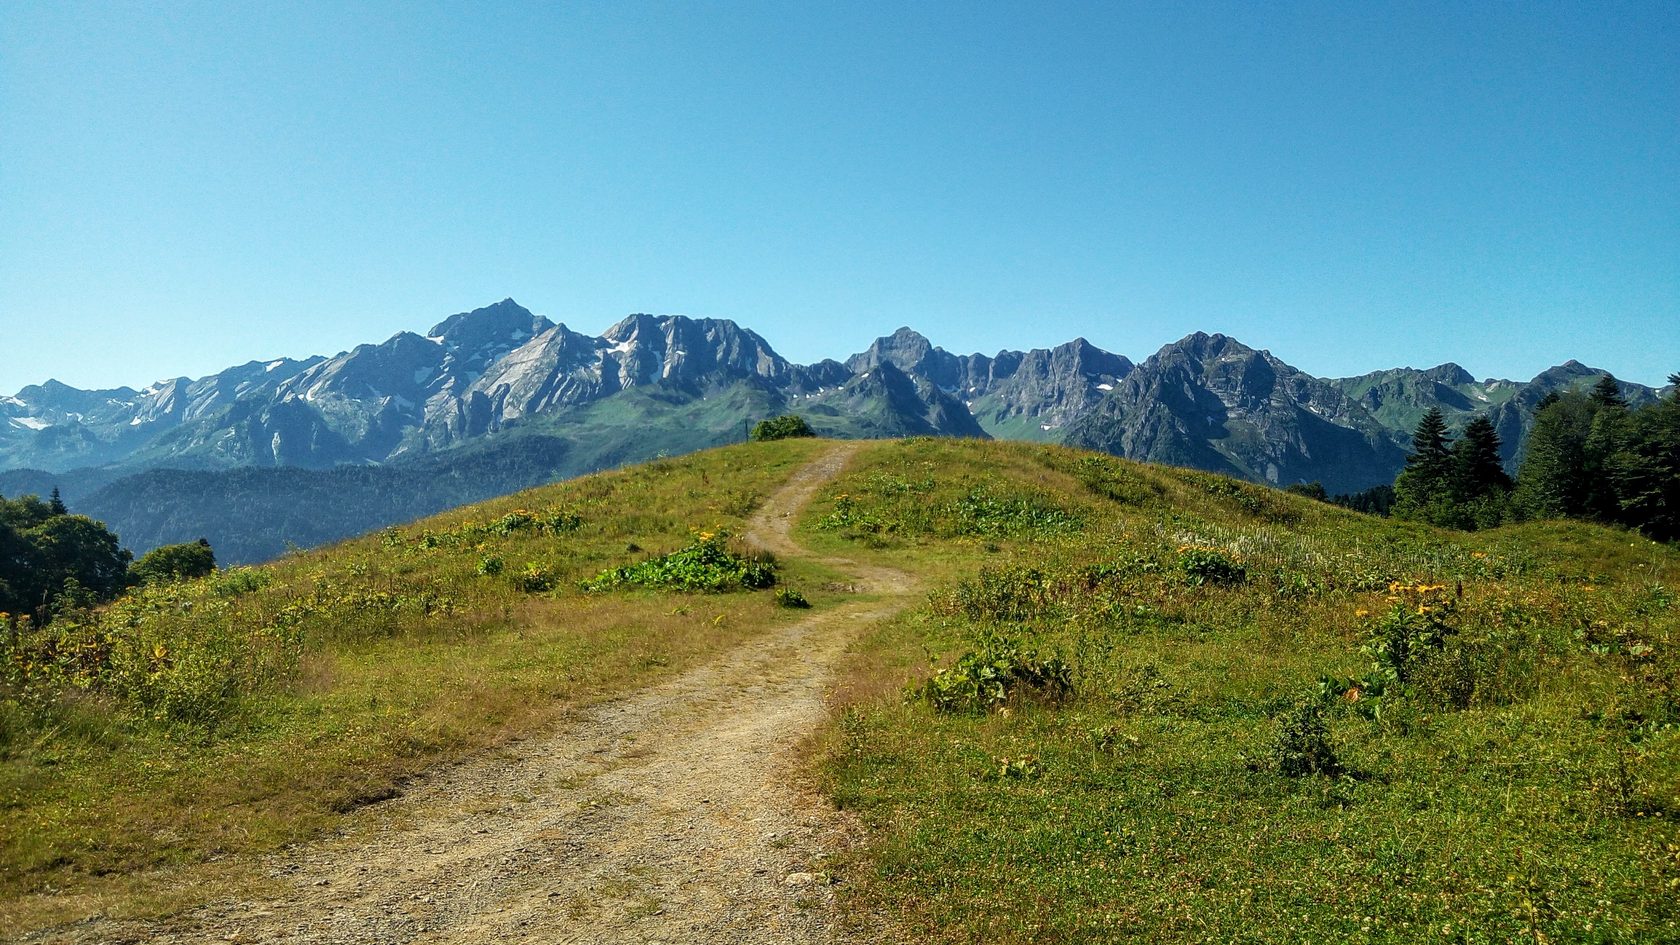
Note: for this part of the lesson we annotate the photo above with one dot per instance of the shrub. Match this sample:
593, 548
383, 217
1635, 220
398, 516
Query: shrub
788, 597
782, 428
1206, 566
1303, 745
192, 559
986, 514
535, 579
998, 671
1012, 594
705, 564
1415, 628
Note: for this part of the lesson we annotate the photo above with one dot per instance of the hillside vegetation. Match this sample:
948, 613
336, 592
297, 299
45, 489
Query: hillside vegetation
167, 728
1134, 702
1162, 705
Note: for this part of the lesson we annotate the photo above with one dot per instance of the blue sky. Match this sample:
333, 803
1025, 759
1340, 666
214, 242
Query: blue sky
1353, 186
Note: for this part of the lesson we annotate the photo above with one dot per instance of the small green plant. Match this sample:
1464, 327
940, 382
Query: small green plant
1011, 594
490, 565
1203, 566
788, 597
982, 512
781, 428
535, 579
988, 677
848, 516
1303, 744
705, 564
1415, 628
1023, 768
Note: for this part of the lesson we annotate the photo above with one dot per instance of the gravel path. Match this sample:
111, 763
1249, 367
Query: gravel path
668, 815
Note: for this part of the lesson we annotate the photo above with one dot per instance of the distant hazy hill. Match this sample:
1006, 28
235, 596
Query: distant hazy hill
499, 398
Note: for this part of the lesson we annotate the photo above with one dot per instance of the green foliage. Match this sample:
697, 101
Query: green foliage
1202, 566
1302, 746
1417, 625
1377, 500
788, 597
998, 671
985, 513
193, 559
705, 564
1477, 758
236, 581
52, 561
902, 503
1455, 484
551, 521
781, 428
1309, 490
535, 578
1004, 594
1591, 456
177, 653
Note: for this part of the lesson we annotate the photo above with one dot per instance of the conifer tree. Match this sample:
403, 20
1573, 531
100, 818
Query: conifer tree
56, 504
1477, 469
1423, 490
1555, 478
1608, 393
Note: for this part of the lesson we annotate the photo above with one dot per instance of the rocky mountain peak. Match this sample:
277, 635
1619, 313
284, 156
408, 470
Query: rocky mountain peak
1449, 374
489, 331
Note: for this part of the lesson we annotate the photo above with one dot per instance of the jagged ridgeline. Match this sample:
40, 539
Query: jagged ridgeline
298, 452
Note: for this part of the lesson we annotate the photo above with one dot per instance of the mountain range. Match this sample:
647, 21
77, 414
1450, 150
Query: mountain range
298, 452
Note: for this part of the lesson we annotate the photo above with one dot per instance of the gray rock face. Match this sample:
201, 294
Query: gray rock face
1205, 401
1210, 402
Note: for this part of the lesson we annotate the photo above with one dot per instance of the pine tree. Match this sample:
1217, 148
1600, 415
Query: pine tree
1608, 393
1646, 474
1480, 487
1553, 481
56, 504
1423, 490
1477, 469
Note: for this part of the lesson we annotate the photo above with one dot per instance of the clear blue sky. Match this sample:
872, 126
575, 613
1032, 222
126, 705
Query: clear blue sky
1351, 185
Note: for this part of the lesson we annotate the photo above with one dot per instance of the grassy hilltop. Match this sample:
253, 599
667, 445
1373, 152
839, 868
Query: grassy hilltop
1135, 703
1146, 703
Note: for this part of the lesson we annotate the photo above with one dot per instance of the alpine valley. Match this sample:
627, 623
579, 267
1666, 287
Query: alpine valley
287, 453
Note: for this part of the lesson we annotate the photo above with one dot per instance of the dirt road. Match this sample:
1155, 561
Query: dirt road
665, 816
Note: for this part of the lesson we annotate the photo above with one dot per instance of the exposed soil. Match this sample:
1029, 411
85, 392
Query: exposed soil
669, 815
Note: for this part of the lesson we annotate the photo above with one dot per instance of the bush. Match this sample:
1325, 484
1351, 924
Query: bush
192, 559
1303, 744
1207, 566
782, 428
1012, 594
989, 677
1413, 630
788, 597
706, 564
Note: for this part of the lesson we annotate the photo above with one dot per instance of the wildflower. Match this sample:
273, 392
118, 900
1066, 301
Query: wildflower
1362, 612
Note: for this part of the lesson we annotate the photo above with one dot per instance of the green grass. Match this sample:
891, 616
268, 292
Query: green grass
1145, 645
376, 659
1523, 784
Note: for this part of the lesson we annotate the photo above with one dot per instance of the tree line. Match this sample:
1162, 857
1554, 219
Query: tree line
52, 560
1589, 456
